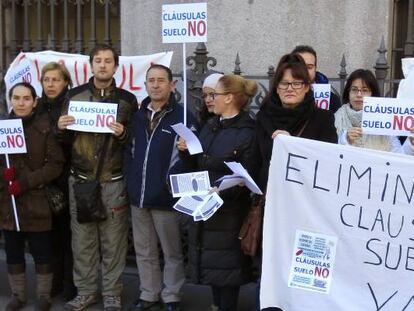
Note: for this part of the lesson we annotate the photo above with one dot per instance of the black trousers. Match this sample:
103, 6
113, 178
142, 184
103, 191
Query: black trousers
40, 246
62, 262
226, 297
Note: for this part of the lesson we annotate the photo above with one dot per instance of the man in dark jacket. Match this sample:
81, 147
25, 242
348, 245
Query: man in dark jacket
150, 157
309, 56
106, 239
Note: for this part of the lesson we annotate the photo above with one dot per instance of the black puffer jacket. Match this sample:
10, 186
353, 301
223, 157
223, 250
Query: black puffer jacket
215, 257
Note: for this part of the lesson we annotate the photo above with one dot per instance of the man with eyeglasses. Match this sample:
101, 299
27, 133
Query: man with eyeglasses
309, 56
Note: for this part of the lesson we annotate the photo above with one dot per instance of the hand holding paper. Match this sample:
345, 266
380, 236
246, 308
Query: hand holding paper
240, 175
193, 144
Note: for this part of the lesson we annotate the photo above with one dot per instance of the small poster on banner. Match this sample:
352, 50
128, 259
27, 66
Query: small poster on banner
322, 94
184, 23
12, 137
92, 117
312, 261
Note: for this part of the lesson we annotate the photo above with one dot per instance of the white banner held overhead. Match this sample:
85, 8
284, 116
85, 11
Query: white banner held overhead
388, 116
184, 23
130, 74
338, 228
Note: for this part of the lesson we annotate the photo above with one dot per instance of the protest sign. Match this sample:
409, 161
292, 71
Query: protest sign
12, 137
130, 75
322, 94
12, 141
338, 228
92, 117
388, 116
184, 23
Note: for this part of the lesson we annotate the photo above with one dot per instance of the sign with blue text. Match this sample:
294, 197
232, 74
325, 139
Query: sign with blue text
338, 229
92, 117
184, 23
12, 137
388, 116
322, 94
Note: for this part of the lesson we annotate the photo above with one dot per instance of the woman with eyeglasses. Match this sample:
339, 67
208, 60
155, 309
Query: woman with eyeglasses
215, 256
348, 118
207, 109
56, 81
288, 109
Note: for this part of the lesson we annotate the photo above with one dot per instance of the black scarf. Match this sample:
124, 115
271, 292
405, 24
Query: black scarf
273, 116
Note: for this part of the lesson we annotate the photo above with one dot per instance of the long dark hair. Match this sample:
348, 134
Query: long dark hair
367, 77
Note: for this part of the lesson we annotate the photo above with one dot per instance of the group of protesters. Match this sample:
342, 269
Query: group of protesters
131, 167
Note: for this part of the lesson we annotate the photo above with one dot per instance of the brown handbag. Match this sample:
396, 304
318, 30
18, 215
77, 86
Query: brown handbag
251, 231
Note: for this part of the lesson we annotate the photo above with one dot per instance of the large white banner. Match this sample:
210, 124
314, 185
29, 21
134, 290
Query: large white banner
338, 229
130, 74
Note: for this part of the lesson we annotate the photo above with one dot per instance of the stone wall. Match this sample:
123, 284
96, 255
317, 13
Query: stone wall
263, 30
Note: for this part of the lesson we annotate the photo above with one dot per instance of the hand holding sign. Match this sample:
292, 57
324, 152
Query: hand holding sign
65, 121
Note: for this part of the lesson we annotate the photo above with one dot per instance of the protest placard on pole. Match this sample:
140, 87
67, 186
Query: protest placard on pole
12, 141
183, 23
388, 116
338, 228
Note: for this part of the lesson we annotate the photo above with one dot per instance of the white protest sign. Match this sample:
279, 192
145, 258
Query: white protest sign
92, 117
184, 23
388, 116
196, 183
359, 202
12, 137
322, 94
130, 74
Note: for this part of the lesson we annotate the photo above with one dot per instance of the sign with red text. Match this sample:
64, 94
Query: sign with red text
12, 137
388, 116
129, 76
322, 94
92, 117
338, 228
184, 23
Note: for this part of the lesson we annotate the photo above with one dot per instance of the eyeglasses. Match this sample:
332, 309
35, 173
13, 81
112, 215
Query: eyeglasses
283, 85
205, 95
364, 91
53, 80
214, 95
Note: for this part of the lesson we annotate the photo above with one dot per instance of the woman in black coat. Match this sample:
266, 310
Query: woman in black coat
289, 109
215, 256
56, 81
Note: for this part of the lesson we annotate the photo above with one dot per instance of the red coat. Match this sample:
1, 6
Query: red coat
41, 164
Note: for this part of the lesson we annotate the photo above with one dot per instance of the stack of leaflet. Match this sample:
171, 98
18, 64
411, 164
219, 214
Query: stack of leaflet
196, 201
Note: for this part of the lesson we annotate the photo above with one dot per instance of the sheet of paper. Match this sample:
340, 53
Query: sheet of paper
200, 207
92, 116
238, 169
195, 183
193, 144
210, 205
229, 181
